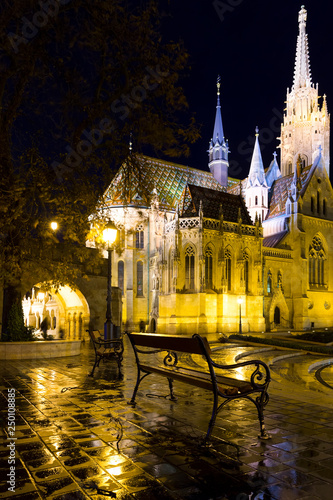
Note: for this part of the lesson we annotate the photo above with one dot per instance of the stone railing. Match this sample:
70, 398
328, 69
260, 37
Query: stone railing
279, 253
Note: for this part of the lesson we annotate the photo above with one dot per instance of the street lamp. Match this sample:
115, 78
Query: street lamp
54, 225
109, 236
240, 302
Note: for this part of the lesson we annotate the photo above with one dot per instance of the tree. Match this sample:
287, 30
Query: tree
77, 78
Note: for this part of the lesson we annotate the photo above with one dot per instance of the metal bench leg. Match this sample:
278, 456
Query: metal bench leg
212, 420
261, 401
95, 364
172, 396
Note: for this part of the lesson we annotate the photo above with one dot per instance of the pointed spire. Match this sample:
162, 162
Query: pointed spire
302, 74
324, 106
257, 173
218, 135
273, 172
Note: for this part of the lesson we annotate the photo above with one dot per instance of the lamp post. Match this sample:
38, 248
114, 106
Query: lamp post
240, 302
109, 236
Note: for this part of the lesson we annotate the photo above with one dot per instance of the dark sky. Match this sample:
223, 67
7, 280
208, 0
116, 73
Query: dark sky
252, 45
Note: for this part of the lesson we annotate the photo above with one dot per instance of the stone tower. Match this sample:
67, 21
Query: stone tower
306, 124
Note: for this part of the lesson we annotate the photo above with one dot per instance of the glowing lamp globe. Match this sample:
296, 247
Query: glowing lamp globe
110, 233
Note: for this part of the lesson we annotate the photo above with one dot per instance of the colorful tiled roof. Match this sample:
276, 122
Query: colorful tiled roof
280, 191
212, 202
169, 180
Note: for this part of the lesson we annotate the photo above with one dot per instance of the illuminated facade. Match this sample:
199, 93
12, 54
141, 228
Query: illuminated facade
195, 246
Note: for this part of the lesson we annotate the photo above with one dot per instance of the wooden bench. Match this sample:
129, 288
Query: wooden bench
225, 388
106, 349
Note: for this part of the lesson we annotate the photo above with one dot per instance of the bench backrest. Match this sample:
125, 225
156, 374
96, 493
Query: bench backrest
192, 345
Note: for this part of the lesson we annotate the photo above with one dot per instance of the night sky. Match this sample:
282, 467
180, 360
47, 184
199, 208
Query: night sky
252, 45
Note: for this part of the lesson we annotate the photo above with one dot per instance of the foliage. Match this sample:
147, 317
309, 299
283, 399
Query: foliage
290, 344
16, 330
78, 77
324, 336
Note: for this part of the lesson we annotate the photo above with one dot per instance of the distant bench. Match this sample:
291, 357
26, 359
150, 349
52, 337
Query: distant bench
106, 349
254, 388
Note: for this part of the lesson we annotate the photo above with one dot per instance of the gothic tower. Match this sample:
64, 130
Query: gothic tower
256, 192
218, 146
305, 125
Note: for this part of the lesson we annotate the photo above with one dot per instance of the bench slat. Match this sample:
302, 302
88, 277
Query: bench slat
179, 343
225, 385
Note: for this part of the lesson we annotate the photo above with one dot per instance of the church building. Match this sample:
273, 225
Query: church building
201, 252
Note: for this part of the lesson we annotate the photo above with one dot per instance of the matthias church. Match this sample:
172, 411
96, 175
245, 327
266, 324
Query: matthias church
207, 253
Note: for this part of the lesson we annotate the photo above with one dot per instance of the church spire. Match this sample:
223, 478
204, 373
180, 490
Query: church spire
218, 135
305, 125
302, 74
257, 173
218, 146
256, 192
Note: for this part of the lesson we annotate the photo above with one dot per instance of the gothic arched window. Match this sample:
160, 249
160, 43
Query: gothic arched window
256, 200
121, 276
246, 271
189, 267
139, 279
139, 237
324, 206
209, 267
318, 202
171, 271
228, 268
269, 282
317, 259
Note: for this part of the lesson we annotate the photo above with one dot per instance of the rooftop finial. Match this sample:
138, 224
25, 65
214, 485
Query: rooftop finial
275, 155
257, 131
218, 84
302, 16
302, 74
130, 143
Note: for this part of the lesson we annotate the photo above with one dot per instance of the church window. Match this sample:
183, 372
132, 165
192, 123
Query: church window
312, 204
139, 279
256, 200
269, 282
121, 276
246, 271
189, 268
290, 167
139, 242
228, 268
317, 258
171, 265
318, 202
262, 200
324, 206
209, 268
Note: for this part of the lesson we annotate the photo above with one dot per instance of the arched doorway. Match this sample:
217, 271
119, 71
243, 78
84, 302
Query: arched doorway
277, 315
66, 309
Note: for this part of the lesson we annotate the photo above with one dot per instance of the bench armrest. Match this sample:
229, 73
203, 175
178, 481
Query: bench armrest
259, 378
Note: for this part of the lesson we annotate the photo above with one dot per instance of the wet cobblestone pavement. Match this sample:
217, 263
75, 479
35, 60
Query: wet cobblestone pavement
77, 438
